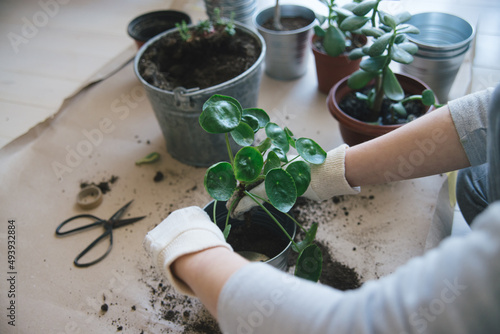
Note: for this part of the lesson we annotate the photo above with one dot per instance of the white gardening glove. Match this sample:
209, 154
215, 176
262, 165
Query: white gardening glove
327, 180
184, 231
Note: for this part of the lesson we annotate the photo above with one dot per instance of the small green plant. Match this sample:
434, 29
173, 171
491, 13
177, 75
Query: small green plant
207, 27
390, 44
343, 23
183, 30
284, 179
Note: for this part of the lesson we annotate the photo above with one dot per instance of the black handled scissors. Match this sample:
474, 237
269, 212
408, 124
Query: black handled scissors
109, 225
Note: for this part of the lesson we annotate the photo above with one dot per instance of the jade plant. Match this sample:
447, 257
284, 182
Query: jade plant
343, 25
390, 43
285, 178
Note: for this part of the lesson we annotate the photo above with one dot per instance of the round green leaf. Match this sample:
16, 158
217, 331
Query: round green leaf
353, 23
220, 182
428, 98
301, 173
278, 136
243, 135
400, 55
392, 88
309, 238
279, 152
251, 121
260, 114
220, 114
360, 79
280, 189
248, 164
309, 263
373, 64
334, 41
310, 151
264, 146
364, 7
273, 161
289, 137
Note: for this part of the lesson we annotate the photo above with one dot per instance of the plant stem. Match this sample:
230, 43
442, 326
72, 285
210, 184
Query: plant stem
374, 14
271, 216
379, 89
229, 213
296, 222
229, 152
286, 213
277, 17
215, 216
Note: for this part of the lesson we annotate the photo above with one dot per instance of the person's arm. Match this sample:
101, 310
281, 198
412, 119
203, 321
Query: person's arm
207, 271
426, 146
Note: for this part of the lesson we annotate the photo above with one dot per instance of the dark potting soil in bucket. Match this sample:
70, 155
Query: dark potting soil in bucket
288, 23
199, 62
256, 232
248, 237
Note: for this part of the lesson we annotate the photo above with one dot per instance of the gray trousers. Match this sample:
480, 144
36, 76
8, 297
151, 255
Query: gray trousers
479, 186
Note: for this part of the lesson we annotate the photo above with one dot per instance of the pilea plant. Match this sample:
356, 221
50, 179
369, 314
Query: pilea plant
342, 25
285, 179
390, 44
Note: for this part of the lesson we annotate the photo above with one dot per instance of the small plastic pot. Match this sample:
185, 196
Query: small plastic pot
261, 220
147, 26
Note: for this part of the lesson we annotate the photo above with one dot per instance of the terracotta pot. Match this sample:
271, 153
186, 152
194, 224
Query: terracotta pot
331, 70
354, 131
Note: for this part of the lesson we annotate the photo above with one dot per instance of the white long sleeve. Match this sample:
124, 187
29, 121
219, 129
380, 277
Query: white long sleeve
454, 288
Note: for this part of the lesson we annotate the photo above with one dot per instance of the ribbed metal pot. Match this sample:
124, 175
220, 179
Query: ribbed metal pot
261, 219
287, 51
443, 41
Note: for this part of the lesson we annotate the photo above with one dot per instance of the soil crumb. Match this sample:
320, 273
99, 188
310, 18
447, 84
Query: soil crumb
104, 186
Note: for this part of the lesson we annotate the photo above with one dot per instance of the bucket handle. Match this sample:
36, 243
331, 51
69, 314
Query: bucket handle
181, 99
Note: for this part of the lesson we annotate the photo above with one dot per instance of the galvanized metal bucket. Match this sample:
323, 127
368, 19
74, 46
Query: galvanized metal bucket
287, 51
443, 41
262, 220
178, 111
243, 10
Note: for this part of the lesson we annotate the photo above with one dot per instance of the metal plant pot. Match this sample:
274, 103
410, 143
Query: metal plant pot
443, 42
178, 111
260, 219
287, 51
243, 10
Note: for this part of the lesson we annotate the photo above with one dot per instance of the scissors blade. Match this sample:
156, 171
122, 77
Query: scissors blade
120, 212
123, 222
